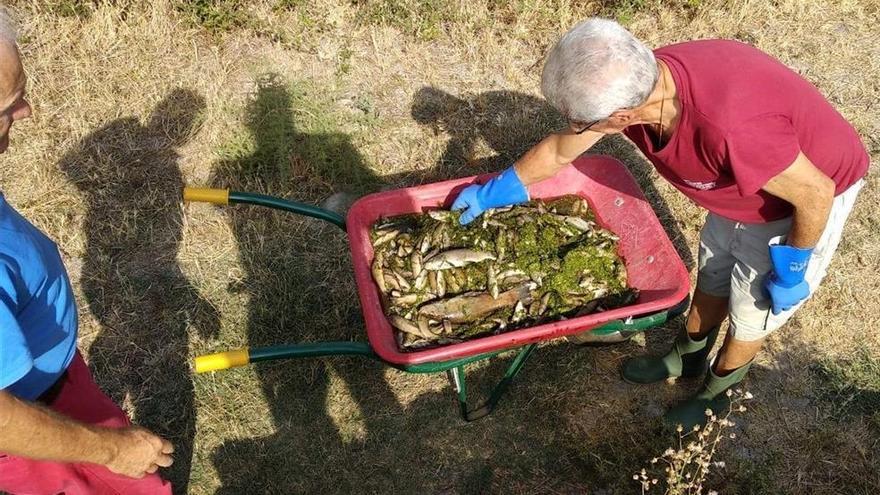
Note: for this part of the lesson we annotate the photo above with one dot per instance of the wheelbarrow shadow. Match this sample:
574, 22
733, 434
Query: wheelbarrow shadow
129, 178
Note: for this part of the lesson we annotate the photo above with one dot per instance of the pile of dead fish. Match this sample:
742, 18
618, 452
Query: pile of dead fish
513, 267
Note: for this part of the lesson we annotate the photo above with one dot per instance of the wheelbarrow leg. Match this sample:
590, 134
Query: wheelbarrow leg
457, 377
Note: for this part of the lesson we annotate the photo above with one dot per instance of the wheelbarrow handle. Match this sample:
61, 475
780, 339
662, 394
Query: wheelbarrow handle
226, 196
222, 360
643, 322
240, 357
206, 195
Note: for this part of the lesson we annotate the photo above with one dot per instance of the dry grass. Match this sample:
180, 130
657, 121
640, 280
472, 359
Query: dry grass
302, 99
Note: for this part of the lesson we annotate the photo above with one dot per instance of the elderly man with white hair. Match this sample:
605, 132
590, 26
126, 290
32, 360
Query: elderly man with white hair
59, 433
740, 134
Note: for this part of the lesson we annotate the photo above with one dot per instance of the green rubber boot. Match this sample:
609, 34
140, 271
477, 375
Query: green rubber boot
687, 358
711, 396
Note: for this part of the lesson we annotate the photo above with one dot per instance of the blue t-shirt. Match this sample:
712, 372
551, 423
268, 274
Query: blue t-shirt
38, 320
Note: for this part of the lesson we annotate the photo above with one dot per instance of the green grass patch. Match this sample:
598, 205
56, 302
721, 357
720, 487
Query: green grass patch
424, 19
757, 476
623, 11
850, 387
215, 16
62, 8
221, 16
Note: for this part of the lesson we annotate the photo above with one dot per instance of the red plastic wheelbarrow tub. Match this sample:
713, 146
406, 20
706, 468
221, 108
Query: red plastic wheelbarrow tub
652, 264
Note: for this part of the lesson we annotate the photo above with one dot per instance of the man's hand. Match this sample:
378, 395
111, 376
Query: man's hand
137, 452
502, 190
811, 193
785, 298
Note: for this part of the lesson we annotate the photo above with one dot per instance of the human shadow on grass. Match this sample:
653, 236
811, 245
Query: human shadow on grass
300, 284
128, 175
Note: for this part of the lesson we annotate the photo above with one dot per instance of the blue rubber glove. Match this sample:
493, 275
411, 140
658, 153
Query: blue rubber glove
503, 190
785, 283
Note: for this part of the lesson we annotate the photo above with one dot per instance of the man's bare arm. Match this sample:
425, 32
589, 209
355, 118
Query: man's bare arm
29, 430
552, 153
811, 193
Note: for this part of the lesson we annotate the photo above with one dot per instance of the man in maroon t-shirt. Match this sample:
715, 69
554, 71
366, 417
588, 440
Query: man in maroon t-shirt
739, 134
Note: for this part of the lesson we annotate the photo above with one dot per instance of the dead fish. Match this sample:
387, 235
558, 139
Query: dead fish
545, 301
450, 281
475, 305
441, 284
385, 236
445, 239
519, 312
455, 258
534, 307
407, 326
406, 299
511, 272
436, 235
441, 215
415, 263
401, 281
379, 272
578, 223
432, 281
588, 308
421, 281
425, 245
496, 223
390, 282
512, 280
538, 277
424, 327
447, 326
492, 280
397, 262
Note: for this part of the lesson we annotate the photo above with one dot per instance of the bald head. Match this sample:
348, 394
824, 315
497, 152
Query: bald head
13, 105
11, 72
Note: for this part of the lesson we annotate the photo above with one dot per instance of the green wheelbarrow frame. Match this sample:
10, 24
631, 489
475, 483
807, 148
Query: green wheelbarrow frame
455, 368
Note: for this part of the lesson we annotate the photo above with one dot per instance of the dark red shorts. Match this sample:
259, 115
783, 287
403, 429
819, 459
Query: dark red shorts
77, 397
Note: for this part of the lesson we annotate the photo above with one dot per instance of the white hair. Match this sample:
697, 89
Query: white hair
7, 27
596, 68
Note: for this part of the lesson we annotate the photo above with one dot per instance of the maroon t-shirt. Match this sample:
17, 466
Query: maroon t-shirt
744, 118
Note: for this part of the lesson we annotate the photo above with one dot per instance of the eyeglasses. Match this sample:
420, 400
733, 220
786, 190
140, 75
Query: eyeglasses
584, 128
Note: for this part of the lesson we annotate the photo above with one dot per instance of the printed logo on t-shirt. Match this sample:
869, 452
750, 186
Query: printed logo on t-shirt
702, 186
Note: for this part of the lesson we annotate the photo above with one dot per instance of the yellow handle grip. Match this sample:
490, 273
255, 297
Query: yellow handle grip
206, 195
222, 360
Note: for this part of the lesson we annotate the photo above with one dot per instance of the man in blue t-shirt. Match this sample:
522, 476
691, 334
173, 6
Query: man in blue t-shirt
58, 432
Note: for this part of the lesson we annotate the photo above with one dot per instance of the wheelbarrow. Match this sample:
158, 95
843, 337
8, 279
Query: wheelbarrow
652, 265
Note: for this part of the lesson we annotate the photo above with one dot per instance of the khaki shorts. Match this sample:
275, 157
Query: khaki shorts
735, 259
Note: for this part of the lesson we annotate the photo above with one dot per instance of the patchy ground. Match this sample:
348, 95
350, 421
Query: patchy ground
305, 99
